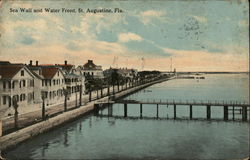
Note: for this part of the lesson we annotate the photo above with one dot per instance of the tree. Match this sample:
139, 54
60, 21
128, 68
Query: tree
65, 92
43, 105
15, 105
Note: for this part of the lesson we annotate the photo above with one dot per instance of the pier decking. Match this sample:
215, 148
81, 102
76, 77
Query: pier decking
236, 106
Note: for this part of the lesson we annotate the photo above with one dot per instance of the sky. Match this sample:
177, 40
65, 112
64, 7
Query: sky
198, 35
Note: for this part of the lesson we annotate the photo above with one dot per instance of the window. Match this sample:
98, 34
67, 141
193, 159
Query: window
42, 82
39, 72
4, 84
22, 97
24, 83
22, 73
13, 85
20, 84
50, 95
54, 82
9, 83
4, 99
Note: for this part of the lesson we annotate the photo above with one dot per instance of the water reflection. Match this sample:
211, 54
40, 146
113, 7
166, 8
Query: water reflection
170, 112
65, 142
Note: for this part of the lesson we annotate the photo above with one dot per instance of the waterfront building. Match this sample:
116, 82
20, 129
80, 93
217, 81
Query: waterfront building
91, 69
33, 83
124, 72
57, 78
16, 80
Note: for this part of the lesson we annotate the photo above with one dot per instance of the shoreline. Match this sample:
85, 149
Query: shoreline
13, 139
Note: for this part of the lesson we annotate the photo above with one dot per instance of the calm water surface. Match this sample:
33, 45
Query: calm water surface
98, 137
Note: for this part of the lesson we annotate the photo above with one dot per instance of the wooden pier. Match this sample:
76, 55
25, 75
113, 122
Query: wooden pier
243, 108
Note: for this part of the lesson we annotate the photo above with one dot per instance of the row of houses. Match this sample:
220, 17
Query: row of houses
30, 84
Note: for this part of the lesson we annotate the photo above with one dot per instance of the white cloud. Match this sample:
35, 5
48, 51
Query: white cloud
126, 37
92, 24
147, 16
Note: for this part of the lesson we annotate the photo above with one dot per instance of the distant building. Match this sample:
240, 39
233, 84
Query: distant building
90, 69
125, 72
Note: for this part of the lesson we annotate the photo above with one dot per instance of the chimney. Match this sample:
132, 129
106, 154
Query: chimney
36, 63
90, 61
65, 62
30, 63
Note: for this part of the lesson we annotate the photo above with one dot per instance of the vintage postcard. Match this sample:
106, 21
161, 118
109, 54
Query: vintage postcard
124, 79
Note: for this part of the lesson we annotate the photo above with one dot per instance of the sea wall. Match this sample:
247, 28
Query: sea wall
12, 139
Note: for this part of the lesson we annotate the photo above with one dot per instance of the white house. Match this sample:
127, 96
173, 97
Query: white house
90, 69
16, 81
53, 83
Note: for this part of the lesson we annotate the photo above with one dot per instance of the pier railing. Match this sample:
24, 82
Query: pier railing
187, 102
243, 107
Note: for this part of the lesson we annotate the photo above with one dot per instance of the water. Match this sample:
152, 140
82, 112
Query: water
96, 137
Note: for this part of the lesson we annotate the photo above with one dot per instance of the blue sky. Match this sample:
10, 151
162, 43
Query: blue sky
197, 35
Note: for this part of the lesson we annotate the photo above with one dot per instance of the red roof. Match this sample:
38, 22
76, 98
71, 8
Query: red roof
66, 67
49, 72
89, 65
9, 71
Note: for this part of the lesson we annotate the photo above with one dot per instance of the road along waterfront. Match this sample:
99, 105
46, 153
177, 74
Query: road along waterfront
97, 137
14, 138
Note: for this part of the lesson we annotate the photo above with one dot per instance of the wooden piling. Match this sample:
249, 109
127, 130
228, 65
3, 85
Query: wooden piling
225, 113
141, 110
244, 113
191, 112
157, 110
208, 112
233, 112
125, 109
174, 111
